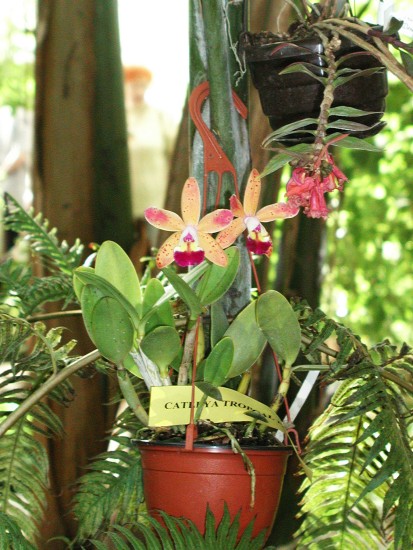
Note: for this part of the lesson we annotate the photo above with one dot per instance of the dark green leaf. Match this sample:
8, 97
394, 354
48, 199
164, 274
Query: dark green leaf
187, 294
111, 330
217, 280
219, 362
278, 321
248, 339
162, 345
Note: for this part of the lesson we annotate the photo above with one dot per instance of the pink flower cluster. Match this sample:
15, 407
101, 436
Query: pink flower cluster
307, 190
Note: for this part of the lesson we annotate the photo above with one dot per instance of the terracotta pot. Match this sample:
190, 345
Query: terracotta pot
184, 483
291, 97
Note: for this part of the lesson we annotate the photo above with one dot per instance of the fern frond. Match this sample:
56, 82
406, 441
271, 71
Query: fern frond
11, 536
43, 240
47, 289
360, 451
111, 489
180, 534
24, 462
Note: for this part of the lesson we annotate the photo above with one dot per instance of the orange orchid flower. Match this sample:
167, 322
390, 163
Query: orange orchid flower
191, 241
247, 217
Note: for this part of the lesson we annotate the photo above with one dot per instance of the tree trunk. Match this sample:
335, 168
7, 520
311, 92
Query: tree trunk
76, 141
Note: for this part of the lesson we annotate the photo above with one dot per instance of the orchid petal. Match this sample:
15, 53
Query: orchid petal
213, 250
191, 202
252, 193
228, 235
215, 221
279, 210
236, 207
165, 254
164, 219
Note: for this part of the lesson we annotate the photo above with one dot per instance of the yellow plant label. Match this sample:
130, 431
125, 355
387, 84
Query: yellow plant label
171, 406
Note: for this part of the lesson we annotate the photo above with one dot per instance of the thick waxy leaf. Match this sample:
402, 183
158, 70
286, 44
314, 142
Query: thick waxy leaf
187, 294
112, 330
218, 362
279, 323
161, 345
79, 285
86, 276
217, 280
155, 316
89, 298
114, 265
210, 390
131, 366
248, 340
219, 323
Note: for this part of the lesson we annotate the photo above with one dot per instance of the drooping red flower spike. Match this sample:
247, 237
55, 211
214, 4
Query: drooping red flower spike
247, 217
191, 241
308, 185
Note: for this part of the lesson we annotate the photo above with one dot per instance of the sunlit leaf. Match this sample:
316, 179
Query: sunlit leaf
114, 265
217, 280
278, 321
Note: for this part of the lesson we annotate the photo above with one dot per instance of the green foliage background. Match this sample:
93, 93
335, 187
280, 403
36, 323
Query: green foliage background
370, 239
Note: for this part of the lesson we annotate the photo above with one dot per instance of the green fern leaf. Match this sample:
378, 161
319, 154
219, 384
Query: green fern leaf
113, 486
43, 240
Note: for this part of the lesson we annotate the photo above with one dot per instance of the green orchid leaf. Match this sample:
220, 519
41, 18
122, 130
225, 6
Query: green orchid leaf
217, 280
112, 330
219, 362
85, 276
305, 68
219, 323
131, 366
114, 265
187, 294
284, 157
90, 296
364, 72
407, 61
287, 129
152, 315
78, 285
249, 341
350, 111
162, 345
279, 324
394, 25
352, 142
348, 125
210, 390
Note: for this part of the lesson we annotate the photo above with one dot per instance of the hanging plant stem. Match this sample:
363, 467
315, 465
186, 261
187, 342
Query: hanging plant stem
328, 97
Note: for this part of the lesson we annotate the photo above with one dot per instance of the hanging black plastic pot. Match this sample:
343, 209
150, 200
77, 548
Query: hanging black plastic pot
286, 98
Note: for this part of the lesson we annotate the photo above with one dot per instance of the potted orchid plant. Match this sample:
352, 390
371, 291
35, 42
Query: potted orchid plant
184, 369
